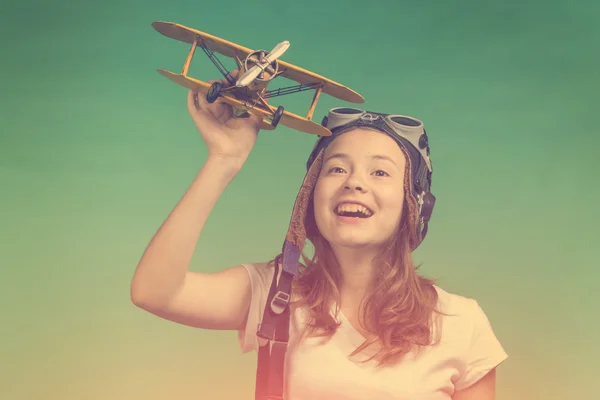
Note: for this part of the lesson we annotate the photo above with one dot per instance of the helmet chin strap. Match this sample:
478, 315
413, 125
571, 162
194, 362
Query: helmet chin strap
426, 201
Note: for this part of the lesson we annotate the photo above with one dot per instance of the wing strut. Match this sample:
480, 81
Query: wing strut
291, 89
210, 54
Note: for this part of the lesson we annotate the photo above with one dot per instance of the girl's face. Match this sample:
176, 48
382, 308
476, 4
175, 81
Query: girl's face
359, 193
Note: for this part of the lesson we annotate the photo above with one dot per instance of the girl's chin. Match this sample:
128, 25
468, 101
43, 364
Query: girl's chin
351, 220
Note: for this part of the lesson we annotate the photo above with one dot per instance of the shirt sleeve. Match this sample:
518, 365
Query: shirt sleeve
260, 282
483, 353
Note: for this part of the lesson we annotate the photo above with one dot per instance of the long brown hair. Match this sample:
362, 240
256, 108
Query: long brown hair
399, 309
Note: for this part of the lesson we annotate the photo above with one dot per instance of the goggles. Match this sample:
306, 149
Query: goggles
408, 132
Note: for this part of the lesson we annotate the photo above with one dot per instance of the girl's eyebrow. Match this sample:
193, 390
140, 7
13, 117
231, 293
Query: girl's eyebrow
345, 156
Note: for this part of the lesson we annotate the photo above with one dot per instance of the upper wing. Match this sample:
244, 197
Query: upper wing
330, 87
189, 35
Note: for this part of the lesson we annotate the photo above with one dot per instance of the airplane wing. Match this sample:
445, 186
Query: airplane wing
189, 35
330, 87
289, 119
229, 49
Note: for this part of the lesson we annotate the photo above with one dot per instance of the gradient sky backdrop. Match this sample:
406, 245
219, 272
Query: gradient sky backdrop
96, 148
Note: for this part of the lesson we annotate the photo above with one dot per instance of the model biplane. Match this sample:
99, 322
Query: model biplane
248, 93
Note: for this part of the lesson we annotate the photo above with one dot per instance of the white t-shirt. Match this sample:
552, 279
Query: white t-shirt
322, 371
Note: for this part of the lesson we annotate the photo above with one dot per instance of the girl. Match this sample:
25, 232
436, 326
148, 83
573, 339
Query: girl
364, 324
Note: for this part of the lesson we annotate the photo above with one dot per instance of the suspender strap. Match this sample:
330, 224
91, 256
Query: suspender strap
262, 373
275, 327
269, 375
276, 371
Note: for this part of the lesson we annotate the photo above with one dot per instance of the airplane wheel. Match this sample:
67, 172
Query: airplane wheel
213, 92
277, 116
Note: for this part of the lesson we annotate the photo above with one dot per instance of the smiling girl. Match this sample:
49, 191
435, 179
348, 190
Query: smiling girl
363, 324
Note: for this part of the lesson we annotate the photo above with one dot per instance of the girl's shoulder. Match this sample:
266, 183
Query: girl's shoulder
460, 312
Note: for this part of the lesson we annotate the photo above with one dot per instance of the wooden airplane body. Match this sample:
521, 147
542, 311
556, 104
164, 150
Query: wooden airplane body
252, 96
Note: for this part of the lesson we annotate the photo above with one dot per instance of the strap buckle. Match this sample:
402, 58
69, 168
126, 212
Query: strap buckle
280, 302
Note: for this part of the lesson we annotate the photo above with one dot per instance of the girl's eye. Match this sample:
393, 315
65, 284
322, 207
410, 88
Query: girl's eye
336, 170
381, 173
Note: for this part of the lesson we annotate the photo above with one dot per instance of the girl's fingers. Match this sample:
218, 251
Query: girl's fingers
192, 102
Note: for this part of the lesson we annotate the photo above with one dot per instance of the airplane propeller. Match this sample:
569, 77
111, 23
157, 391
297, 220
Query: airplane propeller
262, 64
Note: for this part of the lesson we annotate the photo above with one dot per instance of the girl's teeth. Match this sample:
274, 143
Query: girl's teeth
353, 208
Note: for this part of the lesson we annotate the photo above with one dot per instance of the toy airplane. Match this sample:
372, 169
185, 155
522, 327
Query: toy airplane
248, 93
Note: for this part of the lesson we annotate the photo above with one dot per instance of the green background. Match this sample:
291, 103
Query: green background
96, 148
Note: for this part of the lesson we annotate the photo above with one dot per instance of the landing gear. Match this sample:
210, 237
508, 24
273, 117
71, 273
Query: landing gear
213, 92
277, 116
